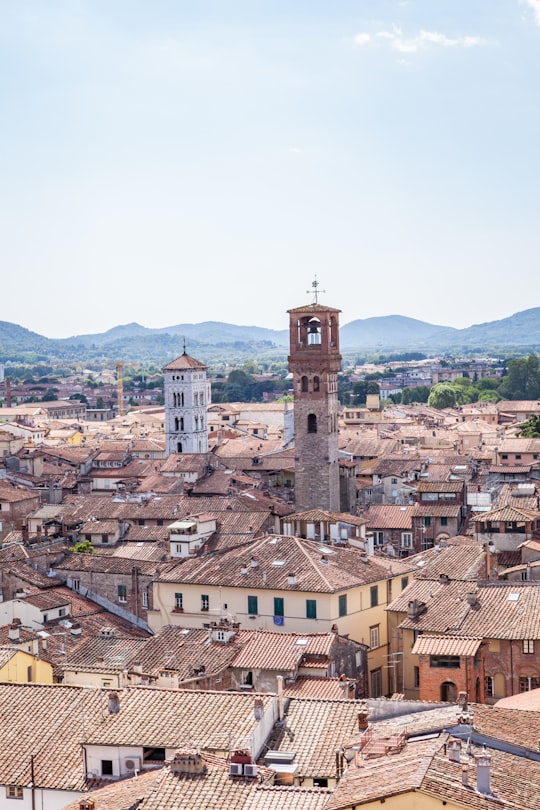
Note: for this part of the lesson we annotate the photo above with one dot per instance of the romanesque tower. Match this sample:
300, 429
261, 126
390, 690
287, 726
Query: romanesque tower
187, 396
315, 361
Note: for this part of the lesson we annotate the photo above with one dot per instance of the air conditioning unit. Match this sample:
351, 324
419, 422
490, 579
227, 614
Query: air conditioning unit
250, 770
131, 764
236, 769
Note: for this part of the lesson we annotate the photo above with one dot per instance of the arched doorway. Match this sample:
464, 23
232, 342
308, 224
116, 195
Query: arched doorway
448, 692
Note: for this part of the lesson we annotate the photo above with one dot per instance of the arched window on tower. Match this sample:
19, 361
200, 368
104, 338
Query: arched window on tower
181, 403
196, 422
304, 383
314, 332
316, 384
179, 447
312, 423
176, 423
181, 423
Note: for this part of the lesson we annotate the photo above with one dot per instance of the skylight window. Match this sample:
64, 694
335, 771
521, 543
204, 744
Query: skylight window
278, 562
301, 642
513, 596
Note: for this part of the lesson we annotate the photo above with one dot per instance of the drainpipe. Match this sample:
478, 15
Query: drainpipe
281, 711
33, 786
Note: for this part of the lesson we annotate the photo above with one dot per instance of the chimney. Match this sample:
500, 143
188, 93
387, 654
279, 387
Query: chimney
281, 709
454, 750
244, 570
76, 630
463, 700
465, 774
87, 804
113, 703
483, 772
254, 560
24, 532
362, 720
13, 632
472, 599
258, 709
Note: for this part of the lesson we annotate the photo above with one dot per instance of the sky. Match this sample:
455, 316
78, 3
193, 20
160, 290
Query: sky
178, 161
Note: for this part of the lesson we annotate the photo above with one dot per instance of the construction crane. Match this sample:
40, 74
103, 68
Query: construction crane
120, 386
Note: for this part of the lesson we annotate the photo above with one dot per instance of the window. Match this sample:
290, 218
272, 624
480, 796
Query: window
14, 792
489, 686
373, 637
76, 584
445, 661
378, 538
427, 521
376, 682
106, 767
416, 675
304, 383
205, 602
316, 384
404, 582
311, 608
526, 684
279, 606
374, 596
393, 480
343, 605
145, 599
104, 538
153, 754
444, 521
253, 605
504, 455
61, 611
122, 593
528, 646
311, 423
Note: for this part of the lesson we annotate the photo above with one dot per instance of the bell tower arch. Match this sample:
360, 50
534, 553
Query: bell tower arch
315, 361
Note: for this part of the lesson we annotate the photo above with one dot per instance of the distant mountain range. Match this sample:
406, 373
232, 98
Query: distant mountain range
518, 333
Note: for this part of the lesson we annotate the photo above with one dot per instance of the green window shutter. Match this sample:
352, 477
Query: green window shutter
343, 605
253, 605
311, 608
279, 606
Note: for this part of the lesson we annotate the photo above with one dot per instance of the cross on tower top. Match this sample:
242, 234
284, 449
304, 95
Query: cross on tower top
315, 290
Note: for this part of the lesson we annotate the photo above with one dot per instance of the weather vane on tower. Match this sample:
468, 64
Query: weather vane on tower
315, 290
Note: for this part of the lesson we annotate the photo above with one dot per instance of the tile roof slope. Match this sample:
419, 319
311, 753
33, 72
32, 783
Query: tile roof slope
384, 776
446, 645
184, 362
495, 615
342, 569
182, 652
169, 718
310, 687
114, 651
389, 516
262, 649
126, 794
514, 781
215, 788
100, 564
319, 727
458, 561
46, 722
508, 724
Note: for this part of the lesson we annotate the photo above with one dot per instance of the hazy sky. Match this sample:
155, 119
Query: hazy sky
171, 161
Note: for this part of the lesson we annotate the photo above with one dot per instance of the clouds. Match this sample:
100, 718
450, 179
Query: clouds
398, 41
535, 6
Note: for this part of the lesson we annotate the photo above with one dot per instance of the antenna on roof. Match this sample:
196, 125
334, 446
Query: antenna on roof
315, 290
184, 340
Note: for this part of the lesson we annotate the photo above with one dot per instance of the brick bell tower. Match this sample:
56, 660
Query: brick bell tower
315, 361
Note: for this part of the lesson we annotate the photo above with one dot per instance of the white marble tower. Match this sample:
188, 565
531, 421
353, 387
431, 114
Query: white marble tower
187, 397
